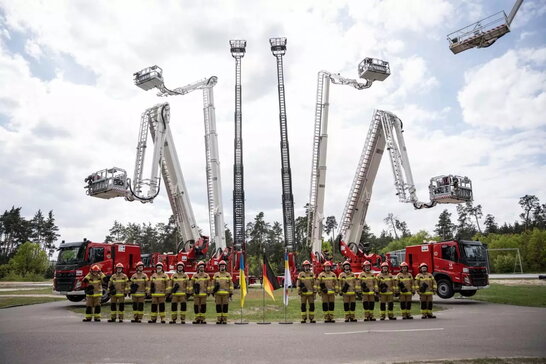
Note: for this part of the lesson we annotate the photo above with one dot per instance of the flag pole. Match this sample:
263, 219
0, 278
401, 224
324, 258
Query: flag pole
285, 285
263, 293
242, 265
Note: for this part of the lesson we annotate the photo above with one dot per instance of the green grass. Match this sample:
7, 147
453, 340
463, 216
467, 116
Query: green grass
252, 311
45, 290
6, 302
534, 296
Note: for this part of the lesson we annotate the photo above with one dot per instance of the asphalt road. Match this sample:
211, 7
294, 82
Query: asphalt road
49, 333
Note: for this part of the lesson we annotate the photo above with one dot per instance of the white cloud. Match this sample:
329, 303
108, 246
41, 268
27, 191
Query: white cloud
507, 92
59, 131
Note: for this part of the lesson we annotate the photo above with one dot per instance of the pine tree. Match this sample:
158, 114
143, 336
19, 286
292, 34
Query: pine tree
444, 227
491, 226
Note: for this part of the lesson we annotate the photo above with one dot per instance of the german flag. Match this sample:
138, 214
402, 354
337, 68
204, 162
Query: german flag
270, 282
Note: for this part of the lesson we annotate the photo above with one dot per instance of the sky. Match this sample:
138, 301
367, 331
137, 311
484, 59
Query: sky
68, 105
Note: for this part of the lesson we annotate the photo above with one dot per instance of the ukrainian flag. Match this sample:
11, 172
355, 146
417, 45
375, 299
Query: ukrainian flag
242, 279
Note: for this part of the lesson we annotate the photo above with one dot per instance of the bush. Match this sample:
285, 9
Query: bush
29, 259
50, 271
504, 263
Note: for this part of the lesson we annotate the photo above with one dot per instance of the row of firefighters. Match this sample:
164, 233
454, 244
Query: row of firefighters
367, 287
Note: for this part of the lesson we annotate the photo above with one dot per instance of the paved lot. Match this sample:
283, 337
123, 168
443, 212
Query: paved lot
49, 333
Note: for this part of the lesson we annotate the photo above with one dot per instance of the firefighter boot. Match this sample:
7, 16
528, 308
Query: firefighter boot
303, 313
203, 311
183, 308
325, 310
88, 314
353, 308
408, 311
174, 312
382, 310
372, 306
97, 313
429, 311
424, 310
312, 313
331, 310
218, 314
403, 309
197, 316
153, 314
121, 311
113, 312
391, 314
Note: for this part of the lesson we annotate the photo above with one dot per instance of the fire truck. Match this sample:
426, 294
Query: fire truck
385, 136
165, 167
76, 258
458, 266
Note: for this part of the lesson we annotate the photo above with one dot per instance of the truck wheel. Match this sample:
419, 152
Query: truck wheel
468, 293
445, 289
105, 295
75, 298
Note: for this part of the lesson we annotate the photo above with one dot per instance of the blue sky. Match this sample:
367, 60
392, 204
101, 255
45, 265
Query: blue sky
68, 106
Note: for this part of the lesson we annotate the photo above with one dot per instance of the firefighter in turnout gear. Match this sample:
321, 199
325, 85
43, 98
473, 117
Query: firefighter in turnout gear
307, 291
180, 287
425, 284
368, 288
347, 283
222, 284
139, 282
158, 288
327, 284
93, 293
201, 287
404, 282
387, 288
119, 287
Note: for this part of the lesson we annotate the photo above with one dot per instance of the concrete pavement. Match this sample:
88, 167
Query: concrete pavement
49, 333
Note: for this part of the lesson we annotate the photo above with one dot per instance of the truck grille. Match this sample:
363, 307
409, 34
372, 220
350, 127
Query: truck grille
65, 281
478, 277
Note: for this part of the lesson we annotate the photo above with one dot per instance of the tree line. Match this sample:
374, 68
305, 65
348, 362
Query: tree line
527, 234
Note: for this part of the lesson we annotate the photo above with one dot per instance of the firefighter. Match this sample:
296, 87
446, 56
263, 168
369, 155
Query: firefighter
404, 282
179, 284
118, 287
307, 292
222, 290
425, 284
385, 282
201, 288
347, 284
368, 288
93, 293
327, 283
139, 282
158, 288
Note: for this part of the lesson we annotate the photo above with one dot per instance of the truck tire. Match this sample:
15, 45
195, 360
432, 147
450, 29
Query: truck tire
105, 295
75, 298
445, 289
468, 293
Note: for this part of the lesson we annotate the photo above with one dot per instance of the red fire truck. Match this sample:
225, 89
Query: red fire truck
75, 260
458, 266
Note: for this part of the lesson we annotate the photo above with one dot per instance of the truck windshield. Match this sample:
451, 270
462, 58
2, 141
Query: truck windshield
71, 255
473, 254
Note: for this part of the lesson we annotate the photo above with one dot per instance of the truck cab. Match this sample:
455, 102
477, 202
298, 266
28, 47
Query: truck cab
76, 258
458, 266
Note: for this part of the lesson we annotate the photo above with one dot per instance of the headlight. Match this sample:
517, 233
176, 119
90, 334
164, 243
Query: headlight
466, 270
79, 273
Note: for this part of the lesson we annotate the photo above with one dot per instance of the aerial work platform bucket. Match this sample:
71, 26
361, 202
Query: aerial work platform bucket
373, 69
107, 183
450, 189
480, 34
149, 78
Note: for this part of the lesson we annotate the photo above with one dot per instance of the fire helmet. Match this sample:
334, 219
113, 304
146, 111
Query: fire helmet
327, 264
404, 264
119, 265
384, 264
139, 263
305, 262
159, 264
222, 262
200, 263
423, 265
95, 268
367, 262
180, 263
346, 263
